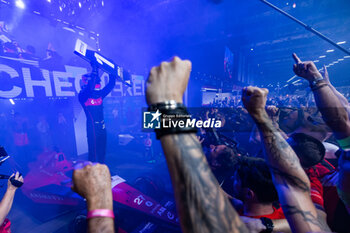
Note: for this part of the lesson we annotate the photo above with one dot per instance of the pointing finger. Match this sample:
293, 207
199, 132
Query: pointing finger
296, 58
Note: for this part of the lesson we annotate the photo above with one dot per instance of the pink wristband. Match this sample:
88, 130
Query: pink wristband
100, 213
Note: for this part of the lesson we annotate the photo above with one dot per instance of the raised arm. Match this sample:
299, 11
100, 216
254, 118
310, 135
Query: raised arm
201, 204
340, 97
109, 87
336, 117
291, 182
87, 90
93, 182
7, 200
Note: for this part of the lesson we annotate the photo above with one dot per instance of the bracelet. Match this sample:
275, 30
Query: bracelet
316, 81
104, 213
169, 104
314, 88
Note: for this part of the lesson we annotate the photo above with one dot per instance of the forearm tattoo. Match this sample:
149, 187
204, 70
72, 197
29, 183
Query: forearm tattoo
282, 159
307, 216
200, 201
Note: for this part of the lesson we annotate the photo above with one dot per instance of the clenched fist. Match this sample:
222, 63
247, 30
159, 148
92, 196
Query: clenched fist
306, 70
254, 99
168, 81
93, 182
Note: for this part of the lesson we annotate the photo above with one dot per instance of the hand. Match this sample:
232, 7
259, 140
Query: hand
254, 225
93, 182
168, 81
273, 113
254, 100
306, 70
18, 177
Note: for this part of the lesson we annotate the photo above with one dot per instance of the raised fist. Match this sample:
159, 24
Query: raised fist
254, 99
93, 182
168, 81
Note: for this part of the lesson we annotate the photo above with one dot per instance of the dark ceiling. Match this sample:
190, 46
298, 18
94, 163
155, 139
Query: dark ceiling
139, 34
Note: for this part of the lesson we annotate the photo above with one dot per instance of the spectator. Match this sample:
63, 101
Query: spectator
253, 186
7, 200
334, 113
290, 180
201, 204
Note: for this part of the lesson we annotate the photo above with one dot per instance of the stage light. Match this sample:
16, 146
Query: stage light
316, 61
346, 56
49, 1
294, 5
341, 42
330, 51
61, 9
102, 3
251, 49
12, 102
80, 4
323, 56
20, 4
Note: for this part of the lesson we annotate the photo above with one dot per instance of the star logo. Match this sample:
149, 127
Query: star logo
151, 120
156, 115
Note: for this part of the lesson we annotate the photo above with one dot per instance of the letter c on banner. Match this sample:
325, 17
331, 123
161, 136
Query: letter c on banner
15, 91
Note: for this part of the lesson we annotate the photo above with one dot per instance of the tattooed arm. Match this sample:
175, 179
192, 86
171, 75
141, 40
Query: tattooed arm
334, 113
201, 204
291, 181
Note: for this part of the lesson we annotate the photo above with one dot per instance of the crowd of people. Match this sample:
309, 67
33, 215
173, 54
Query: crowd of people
289, 187
277, 99
277, 164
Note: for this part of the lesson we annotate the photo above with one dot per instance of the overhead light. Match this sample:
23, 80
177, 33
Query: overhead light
330, 50
323, 56
341, 42
20, 4
341, 59
294, 5
12, 102
61, 8
316, 61
102, 3
49, 1
80, 4
346, 56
